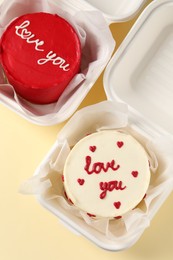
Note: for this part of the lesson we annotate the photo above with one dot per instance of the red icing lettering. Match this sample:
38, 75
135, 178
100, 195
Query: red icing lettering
110, 186
97, 167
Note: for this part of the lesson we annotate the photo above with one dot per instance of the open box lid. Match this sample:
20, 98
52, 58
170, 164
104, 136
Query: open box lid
141, 70
113, 10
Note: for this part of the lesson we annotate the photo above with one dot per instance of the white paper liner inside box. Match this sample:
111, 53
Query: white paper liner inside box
104, 116
97, 46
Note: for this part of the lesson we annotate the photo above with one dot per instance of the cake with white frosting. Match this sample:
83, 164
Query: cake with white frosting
107, 174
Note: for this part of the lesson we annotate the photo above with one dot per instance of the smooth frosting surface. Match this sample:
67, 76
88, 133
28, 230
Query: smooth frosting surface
107, 173
40, 53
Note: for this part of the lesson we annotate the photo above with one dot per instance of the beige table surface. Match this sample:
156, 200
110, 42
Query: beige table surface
30, 232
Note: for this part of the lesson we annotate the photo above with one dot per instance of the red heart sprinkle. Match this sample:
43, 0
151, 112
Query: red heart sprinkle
120, 144
70, 201
117, 204
135, 174
118, 217
91, 215
65, 194
80, 181
145, 196
92, 148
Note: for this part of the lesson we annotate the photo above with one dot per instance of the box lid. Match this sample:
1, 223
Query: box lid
140, 72
113, 10
118, 10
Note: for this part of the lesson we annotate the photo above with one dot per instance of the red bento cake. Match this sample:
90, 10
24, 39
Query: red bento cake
40, 54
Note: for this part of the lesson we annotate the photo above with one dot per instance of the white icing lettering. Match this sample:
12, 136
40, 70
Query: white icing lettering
51, 56
27, 35
56, 60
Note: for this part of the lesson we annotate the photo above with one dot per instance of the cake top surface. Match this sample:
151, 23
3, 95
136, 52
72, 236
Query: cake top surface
40, 49
107, 174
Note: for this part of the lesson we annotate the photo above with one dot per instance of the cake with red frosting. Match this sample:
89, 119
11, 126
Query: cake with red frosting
106, 174
40, 54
